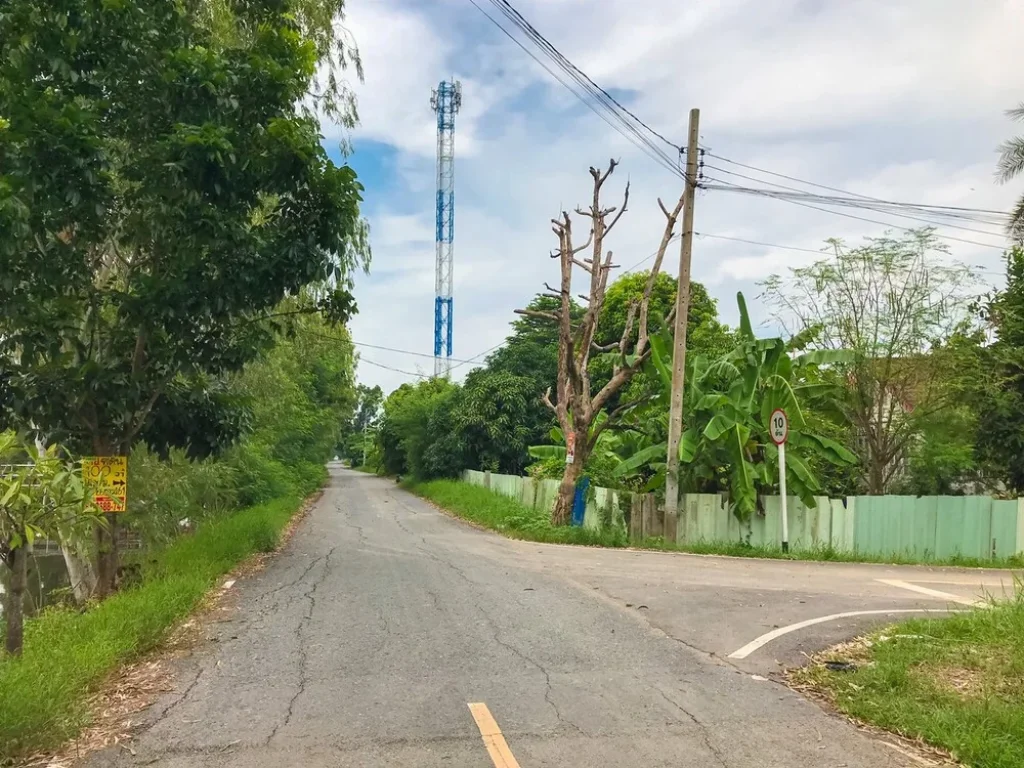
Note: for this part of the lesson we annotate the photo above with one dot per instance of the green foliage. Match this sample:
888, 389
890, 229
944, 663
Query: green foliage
705, 335
43, 694
1011, 165
499, 415
532, 348
43, 496
406, 435
165, 491
893, 303
999, 396
953, 682
163, 189
355, 434
727, 406
511, 518
600, 465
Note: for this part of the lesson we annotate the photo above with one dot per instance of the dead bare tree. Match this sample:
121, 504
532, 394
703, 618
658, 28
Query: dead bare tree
575, 407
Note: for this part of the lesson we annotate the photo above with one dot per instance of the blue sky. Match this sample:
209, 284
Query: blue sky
897, 100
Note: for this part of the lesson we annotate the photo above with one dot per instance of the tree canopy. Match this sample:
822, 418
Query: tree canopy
163, 190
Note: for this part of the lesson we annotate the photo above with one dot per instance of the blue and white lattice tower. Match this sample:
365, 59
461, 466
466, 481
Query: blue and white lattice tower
446, 101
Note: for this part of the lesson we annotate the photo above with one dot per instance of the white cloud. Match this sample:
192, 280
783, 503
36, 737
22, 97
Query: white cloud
901, 101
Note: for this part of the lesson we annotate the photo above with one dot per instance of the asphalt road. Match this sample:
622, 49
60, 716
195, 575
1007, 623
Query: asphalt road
366, 640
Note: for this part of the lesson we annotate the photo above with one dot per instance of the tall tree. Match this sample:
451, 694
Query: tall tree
576, 406
888, 303
1000, 407
1011, 165
163, 191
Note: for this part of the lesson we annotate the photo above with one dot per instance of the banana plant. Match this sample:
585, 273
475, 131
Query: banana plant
727, 404
608, 443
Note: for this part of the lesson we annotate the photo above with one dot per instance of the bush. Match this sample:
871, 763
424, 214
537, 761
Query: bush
165, 492
258, 477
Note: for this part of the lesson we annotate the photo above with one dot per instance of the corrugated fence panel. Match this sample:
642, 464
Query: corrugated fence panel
1004, 527
592, 514
923, 527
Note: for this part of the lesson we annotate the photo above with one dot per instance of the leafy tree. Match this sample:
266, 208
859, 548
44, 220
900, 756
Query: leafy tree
532, 348
890, 303
163, 190
409, 428
728, 402
499, 415
354, 435
42, 497
1000, 394
1011, 165
705, 335
301, 392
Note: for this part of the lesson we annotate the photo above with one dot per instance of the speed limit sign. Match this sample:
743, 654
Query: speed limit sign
778, 426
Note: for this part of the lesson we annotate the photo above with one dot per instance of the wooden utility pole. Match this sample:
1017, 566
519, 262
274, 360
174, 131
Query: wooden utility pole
675, 418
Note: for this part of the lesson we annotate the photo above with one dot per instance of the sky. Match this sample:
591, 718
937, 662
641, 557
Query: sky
904, 101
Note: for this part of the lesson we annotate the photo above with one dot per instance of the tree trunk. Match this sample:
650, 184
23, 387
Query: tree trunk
106, 556
80, 573
562, 512
15, 609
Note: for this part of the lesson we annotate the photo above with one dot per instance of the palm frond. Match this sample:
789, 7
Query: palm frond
1011, 159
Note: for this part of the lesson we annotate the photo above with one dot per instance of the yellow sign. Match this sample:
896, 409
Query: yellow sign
107, 479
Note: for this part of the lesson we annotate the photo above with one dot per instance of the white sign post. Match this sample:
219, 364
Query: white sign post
778, 429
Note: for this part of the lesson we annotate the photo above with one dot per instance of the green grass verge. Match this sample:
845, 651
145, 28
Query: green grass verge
956, 682
509, 517
486, 508
43, 693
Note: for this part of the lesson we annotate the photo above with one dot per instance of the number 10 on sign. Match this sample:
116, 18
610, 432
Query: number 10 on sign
778, 429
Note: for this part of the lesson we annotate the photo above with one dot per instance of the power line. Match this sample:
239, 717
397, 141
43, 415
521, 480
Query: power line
822, 252
842, 191
882, 206
479, 354
758, 242
602, 103
730, 187
396, 370
649, 256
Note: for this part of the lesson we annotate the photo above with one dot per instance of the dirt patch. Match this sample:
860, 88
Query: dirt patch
117, 705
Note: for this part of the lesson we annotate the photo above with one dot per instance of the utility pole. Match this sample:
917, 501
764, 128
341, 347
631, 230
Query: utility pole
675, 417
365, 426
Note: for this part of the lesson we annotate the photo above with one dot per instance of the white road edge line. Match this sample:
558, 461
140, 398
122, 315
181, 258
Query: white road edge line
767, 637
932, 592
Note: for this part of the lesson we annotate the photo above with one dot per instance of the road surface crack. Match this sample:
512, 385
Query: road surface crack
310, 595
704, 733
424, 548
185, 694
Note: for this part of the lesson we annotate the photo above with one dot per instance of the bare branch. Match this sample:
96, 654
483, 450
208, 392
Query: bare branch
622, 210
664, 209
586, 245
582, 265
627, 332
537, 313
546, 399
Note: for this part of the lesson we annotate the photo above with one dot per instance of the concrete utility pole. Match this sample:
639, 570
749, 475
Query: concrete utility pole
675, 417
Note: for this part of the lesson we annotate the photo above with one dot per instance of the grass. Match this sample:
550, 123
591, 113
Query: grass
957, 683
507, 516
43, 694
483, 507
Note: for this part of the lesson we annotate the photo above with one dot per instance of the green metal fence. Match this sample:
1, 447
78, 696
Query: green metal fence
917, 527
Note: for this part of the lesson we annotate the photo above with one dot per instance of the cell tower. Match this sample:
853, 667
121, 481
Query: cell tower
446, 101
